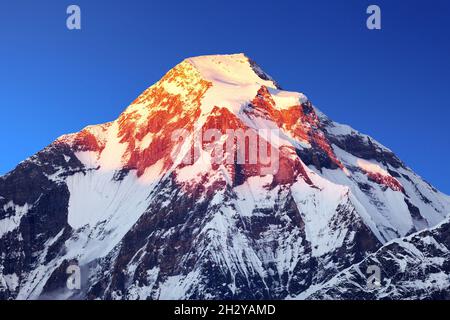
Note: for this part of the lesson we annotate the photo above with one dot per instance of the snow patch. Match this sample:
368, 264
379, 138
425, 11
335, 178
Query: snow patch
318, 208
234, 69
12, 281
12, 222
200, 167
253, 194
285, 99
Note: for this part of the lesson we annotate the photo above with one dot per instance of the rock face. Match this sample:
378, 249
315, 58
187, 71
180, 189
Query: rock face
149, 211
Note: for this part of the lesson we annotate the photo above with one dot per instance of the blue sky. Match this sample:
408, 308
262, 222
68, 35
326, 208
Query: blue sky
393, 84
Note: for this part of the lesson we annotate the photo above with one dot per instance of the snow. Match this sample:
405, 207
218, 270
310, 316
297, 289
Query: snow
351, 161
111, 157
318, 208
419, 269
175, 287
103, 209
12, 222
255, 194
234, 69
33, 284
285, 99
225, 95
337, 129
372, 167
229, 248
234, 82
88, 158
386, 208
145, 143
142, 111
270, 131
438, 206
136, 292
152, 174
200, 167
12, 281
342, 130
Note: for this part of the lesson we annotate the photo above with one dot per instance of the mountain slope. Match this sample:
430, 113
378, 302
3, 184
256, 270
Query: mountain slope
414, 267
147, 210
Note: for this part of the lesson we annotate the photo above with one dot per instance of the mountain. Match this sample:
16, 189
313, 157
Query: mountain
166, 202
414, 267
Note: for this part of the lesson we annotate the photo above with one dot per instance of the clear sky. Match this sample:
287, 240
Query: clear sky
393, 84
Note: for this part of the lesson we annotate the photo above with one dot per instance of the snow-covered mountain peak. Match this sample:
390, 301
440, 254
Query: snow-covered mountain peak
204, 82
233, 69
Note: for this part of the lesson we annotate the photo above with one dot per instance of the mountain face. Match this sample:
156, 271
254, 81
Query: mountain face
164, 203
414, 267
